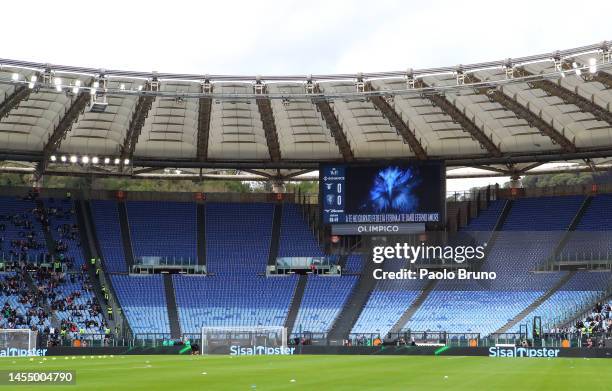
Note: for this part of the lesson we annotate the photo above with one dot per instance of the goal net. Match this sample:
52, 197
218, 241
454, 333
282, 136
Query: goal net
244, 340
16, 340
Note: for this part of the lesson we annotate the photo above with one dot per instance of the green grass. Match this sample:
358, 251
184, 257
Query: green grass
321, 373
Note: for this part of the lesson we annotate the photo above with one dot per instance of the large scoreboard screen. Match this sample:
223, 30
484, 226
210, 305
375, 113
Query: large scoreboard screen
398, 192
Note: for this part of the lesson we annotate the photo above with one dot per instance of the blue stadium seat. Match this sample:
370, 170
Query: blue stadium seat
106, 221
324, 297
238, 237
232, 301
163, 229
143, 300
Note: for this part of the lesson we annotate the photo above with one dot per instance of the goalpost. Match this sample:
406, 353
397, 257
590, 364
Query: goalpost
260, 339
20, 339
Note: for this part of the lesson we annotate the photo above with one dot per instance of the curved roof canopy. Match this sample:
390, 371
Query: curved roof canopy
507, 113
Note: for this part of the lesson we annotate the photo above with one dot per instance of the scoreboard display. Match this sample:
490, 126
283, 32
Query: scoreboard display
398, 192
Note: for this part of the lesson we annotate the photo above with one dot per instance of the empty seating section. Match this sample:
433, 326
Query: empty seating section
354, 263
591, 239
323, 299
106, 222
64, 229
388, 301
163, 229
386, 305
143, 301
529, 235
238, 237
232, 301
296, 237
531, 231
575, 296
17, 221
480, 228
487, 218
542, 213
468, 308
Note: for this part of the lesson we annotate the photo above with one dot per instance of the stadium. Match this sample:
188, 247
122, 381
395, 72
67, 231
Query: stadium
285, 231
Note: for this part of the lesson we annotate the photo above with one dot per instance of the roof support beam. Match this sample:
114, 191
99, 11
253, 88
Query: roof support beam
467, 124
523, 112
63, 127
267, 118
402, 127
334, 127
138, 119
567, 96
203, 127
20, 94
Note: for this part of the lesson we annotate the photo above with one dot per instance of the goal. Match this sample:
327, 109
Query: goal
20, 339
254, 340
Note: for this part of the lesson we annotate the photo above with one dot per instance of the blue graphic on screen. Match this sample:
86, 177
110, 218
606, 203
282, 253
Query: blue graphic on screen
397, 192
393, 191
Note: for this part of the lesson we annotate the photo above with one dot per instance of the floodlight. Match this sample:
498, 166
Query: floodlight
592, 65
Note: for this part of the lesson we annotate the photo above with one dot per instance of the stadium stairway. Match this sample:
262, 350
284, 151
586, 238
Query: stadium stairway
46, 228
201, 224
276, 229
354, 305
125, 235
296, 302
88, 244
407, 315
175, 327
497, 229
33, 290
521, 315
342, 260
572, 227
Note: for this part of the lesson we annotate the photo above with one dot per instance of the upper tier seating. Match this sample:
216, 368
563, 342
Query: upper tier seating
106, 222
64, 229
17, 222
238, 237
163, 229
487, 218
591, 239
296, 237
354, 263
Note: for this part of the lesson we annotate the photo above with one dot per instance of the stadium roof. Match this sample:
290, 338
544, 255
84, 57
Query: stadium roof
507, 116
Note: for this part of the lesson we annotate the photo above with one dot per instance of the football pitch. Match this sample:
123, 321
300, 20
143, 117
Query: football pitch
308, 372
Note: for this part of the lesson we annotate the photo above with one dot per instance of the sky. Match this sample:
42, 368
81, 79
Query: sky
294, 37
